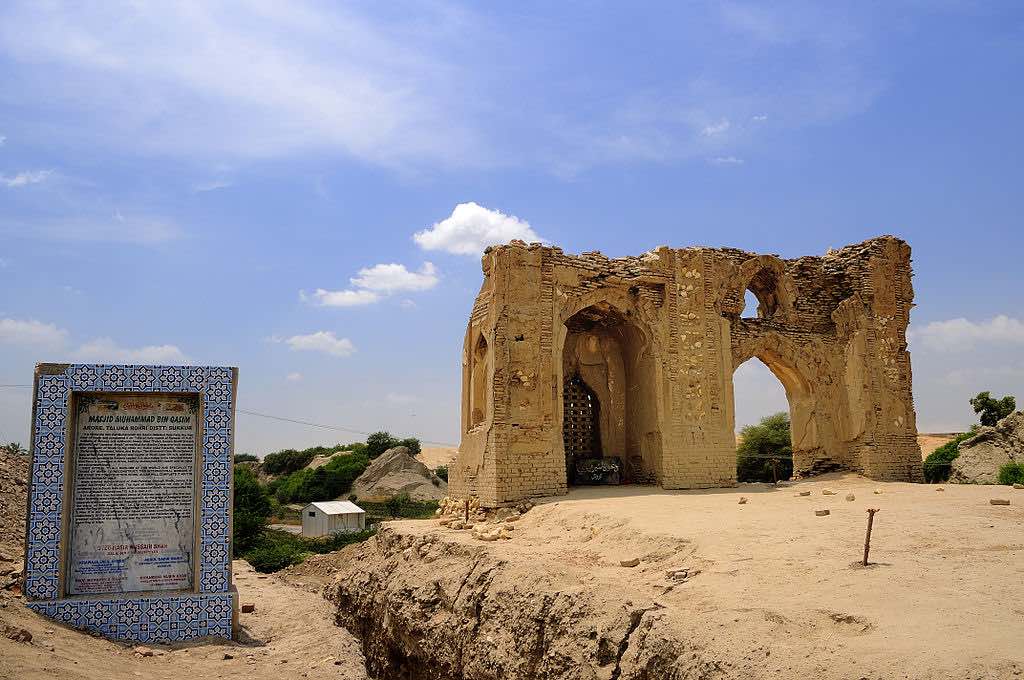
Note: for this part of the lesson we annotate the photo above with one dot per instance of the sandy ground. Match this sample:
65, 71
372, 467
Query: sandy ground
432, 456
940, 599
930, 442
290, 635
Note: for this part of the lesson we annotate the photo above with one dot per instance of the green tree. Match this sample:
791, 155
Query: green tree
245, 458
396, 505
379, 442
992, 410
765, 452
251, 510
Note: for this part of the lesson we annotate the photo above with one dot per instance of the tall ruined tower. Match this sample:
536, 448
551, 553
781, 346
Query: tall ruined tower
568, 356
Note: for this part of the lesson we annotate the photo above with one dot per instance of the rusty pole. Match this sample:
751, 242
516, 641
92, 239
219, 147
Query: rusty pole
467, 510
867, 538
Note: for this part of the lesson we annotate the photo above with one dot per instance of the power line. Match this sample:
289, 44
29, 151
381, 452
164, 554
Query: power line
340, 428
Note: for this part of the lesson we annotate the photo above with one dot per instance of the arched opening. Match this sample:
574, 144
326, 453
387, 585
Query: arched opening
606, 363
765, 385
764, 446
478, 382
750, 306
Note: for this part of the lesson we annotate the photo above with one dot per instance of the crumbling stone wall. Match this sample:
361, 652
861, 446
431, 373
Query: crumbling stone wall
657, 339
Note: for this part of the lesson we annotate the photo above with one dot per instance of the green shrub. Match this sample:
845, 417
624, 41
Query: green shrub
1011, 473
252, 507
287, 461
442, 472
403, 509
379, 442
938, 464
245, 458
412, 444
276, 550
324, 483
765, 451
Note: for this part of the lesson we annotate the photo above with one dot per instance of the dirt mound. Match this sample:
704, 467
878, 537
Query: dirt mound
396, 472
634, 583
982, 455
13, 495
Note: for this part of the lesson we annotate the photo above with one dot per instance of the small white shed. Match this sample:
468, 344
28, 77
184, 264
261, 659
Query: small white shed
323, 518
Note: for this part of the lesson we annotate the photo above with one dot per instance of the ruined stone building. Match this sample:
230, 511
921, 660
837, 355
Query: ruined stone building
582, 356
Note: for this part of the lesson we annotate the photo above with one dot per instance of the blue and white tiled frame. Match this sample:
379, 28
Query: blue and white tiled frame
206, 610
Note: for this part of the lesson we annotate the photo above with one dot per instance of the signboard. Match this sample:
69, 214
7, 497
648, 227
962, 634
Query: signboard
133, 498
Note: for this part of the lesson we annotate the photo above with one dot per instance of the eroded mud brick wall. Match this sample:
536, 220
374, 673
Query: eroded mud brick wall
655, 339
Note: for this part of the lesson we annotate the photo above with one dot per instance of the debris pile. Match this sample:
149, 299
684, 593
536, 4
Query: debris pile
396, 472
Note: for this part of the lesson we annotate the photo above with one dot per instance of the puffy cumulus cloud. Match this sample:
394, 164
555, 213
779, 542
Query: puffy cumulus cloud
341, 298
32, 333
23, 179
962, 334
471, 228
376, 282
392, 278
321, 341
105, 350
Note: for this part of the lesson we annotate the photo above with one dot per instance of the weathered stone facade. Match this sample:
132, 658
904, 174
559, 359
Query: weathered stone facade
656, 338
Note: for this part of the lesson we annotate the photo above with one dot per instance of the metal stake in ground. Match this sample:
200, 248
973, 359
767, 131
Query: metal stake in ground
867, 539
467, 511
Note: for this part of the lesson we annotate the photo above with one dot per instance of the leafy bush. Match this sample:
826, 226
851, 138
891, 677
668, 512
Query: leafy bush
273, 557
379, 442
279, 549
404, 509
412, 444
245, 458
442, 472
287, 461
938, 464
765, 450
251, 509
991, 410
324, 483
1011, 473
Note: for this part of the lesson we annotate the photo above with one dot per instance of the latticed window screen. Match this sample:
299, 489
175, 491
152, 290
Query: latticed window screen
579, 428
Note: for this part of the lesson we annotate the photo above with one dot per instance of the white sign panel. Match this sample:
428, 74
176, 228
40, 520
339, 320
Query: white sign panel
133, 500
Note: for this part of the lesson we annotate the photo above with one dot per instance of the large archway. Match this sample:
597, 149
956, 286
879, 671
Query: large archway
780, 358
606, 359
762, 414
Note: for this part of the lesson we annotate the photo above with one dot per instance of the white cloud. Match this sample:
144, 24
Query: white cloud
727, 160
321, 341
961, 334
293, 377
373, 283
391, 278
342, 298
3, 140
715, 129
759, 118
25, 178
471, 228
407, 304
256, 79
32, 333
105, 350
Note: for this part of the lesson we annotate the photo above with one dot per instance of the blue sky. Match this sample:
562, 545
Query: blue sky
243, 183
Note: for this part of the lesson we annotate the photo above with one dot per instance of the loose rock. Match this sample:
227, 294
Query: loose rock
822, 513
1000, 501
248, 607
630, 563
850, 497
743, 500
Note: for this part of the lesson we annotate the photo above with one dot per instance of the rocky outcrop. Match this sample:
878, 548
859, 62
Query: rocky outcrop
982, 455
396, 472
